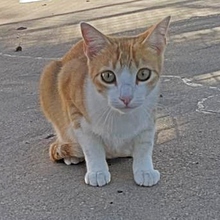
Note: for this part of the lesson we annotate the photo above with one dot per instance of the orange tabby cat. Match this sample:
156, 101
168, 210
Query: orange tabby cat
101, 99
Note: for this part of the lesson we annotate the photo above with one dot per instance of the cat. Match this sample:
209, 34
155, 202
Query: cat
101, 99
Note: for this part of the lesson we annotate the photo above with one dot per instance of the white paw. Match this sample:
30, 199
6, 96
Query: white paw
99, 178
72, 160
146, 177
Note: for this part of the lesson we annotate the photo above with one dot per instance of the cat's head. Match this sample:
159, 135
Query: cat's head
126, 69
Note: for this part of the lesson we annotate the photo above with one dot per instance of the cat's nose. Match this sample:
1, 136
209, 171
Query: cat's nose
126, 100
126, 93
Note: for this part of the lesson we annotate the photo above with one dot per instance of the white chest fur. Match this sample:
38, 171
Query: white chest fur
116, 130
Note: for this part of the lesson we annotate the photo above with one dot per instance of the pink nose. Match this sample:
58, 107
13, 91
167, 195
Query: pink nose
126, 100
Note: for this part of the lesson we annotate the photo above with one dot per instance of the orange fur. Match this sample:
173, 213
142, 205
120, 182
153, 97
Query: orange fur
62, 92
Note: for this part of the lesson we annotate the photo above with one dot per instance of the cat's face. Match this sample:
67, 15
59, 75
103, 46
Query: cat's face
125, 77
125, 70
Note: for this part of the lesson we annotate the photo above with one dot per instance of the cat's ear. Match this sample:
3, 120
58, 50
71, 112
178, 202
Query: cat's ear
156, 39
94, 41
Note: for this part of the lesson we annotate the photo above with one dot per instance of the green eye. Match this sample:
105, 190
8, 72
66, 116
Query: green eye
143, 74
108, 77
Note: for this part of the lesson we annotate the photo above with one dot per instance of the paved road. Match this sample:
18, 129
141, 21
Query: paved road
187, 149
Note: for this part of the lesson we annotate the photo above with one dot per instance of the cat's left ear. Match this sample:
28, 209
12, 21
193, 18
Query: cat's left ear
94, 40
156, 39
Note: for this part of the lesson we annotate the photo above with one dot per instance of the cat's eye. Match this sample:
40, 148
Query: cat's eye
108, 76
143, 74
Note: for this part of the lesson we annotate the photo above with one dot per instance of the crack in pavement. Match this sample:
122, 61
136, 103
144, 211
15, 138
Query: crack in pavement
201, 104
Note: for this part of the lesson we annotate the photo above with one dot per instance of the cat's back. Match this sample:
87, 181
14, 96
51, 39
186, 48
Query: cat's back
62, 81
76, 52
74, 71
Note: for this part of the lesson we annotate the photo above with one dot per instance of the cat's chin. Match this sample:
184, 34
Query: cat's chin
124, 110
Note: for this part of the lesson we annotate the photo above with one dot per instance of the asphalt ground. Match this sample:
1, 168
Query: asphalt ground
187, 144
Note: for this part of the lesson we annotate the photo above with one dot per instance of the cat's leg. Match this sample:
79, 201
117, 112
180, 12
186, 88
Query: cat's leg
97, 168
143, 170
65, 148
65, 151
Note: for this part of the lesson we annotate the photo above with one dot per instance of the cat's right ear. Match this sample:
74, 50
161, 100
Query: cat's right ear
94, 41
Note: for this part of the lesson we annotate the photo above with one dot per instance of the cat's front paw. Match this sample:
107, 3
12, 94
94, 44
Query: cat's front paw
146, 177
99, 178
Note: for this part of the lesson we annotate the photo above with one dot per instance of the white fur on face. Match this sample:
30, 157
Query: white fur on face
126, 86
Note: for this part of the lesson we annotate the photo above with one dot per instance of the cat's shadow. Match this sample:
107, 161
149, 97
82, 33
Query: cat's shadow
120, 169
119, 160
111, 162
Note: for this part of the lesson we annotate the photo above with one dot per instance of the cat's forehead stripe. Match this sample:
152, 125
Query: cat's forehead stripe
125, 52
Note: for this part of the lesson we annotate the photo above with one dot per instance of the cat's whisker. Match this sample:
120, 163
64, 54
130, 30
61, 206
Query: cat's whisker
101, 115
112, 122
99, 111
107, 118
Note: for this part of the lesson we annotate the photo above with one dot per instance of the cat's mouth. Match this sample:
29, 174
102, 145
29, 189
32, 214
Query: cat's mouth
125, 109
129, 107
